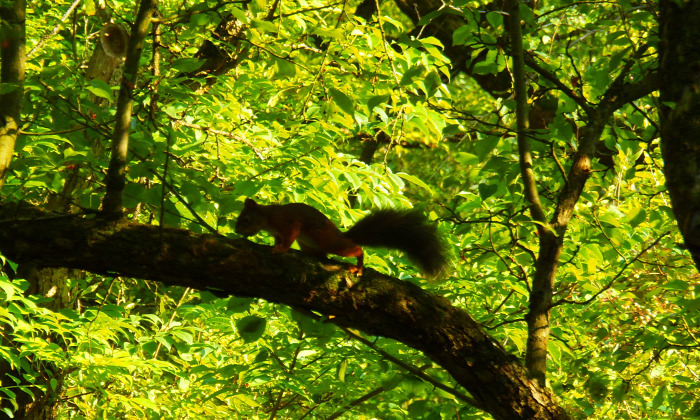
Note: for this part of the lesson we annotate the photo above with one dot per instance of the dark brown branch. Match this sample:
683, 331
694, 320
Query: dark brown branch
552, 78
368, 396
378, 305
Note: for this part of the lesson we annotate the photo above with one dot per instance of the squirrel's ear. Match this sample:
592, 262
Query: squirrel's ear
249, 203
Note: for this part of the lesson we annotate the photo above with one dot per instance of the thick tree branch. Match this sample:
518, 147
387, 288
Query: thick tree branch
378, 304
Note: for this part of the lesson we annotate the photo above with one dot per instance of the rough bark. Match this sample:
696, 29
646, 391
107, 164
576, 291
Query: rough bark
679, 113
378, 304
12, 57
107, 56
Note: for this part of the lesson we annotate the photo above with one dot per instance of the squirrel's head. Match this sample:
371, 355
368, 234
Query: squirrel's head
250, 221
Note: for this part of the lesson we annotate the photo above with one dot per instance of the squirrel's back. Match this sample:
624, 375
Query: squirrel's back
405, 230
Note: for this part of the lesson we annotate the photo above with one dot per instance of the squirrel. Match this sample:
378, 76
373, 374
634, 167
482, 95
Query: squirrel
408, 231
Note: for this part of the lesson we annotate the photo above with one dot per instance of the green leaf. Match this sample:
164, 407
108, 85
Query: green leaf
635, 216
660, 397
237, 305
495, 19
413, 72
414, 180
146, 403
285, 69
678, 284
341, 370
239, 399
9, 290
392, 382
487, 190
484, 146
100, 89
264, 26
313, 328
90, 8
187, 65
166, 341
463, 34
8, 87
375, 101
610, 220
251, 328
466, 159
240, 14
184, 336
343, 101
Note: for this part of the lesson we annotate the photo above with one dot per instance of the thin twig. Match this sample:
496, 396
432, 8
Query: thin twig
55, 29
412, 369
617, 276
184, 202
221, 133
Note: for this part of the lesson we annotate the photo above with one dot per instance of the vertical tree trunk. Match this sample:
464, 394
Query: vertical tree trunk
679, 55
12, 58
52, 282
116, 173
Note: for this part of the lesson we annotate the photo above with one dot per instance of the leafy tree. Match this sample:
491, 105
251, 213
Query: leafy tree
526, 131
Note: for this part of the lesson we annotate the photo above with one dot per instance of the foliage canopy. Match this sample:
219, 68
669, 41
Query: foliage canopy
280, 100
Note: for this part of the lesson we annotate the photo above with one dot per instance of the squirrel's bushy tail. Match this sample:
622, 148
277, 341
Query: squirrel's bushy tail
408, 231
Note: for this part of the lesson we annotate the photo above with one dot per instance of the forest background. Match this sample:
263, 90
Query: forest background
532, 133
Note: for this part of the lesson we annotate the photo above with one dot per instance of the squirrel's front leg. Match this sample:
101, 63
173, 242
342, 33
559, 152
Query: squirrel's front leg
284, 240
359, 255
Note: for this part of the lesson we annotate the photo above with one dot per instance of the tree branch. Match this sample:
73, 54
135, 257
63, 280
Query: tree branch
55, 29
378, 305
116, 173
548, 75
521, 113
618, 94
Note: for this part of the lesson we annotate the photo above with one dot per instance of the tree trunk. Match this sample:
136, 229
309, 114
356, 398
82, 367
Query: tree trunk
52, 282
679, 56
12, 59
